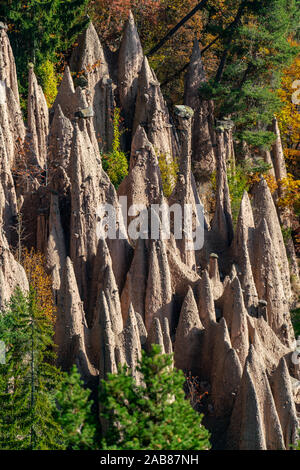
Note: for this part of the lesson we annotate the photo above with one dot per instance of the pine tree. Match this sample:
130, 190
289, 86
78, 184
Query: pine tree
255, 50
74, 413
151, 416
28, 378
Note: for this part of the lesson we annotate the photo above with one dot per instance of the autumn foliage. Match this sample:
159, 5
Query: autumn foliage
289, 123
34, 264
290, 189
289, 117
169, 170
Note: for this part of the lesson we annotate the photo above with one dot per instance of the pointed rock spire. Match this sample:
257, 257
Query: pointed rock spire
143, 184
121, 251
242, 247
268, 346
159, 296
71, 329
151, 113
206, 301
60, 139
222, 229
187, 341
104, 281
226, 371
37, 120
155, 336
268, 159
284, 402
141, 328
129, 64
235, 313
195, 76
268, 281
8, 199
8, 72
183, 192
207, 348
89, 61
263, 207
56, 251
75, 105
88, 56
277, 153
181, 275
166, 336
136, 276
11, 122
84, 189
284, 213
106, 340
84, 115
59, 153
203, 140
245, 226
132, 344
66, 95
12, 274
91, 189
254, 421
214, 275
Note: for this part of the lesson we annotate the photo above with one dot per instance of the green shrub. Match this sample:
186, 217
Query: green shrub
237, 183
286, 233
258, 138
168, 171
240, 178
48, 79
115, 162
256, 166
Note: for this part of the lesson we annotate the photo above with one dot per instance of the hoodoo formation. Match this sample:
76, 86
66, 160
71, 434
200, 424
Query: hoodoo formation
222, 307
